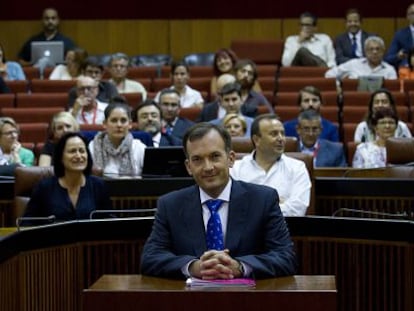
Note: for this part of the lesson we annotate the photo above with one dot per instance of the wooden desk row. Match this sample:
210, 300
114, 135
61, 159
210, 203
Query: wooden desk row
47, 268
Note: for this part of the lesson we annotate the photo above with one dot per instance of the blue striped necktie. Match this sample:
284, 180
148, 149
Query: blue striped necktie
214, 234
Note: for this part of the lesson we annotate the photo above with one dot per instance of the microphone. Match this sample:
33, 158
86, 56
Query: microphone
49, 219
353, 210
121, 211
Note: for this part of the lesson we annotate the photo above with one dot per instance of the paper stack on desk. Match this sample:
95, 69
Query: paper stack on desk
242, 282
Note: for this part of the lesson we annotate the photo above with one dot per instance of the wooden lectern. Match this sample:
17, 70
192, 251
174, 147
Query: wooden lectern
137, 292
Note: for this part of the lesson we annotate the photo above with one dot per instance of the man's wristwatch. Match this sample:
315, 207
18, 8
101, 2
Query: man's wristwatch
241, 268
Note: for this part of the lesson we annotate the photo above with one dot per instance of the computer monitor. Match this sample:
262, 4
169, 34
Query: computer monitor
51, 50
164, 162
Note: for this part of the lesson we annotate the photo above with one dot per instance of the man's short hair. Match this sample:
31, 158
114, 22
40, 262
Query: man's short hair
230, 88
255, 127
311, 90
243, 63
118, 56
146, 103
311, 15
309, 115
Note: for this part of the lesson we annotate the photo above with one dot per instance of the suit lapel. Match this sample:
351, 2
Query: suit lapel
237, 216
191, 213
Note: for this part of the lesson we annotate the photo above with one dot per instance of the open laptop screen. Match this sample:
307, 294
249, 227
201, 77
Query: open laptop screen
164, 162
54, 50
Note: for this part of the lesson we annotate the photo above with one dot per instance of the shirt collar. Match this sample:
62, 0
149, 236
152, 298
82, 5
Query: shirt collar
224, 195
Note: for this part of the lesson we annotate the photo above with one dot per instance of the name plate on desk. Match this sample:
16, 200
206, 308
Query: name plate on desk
126, 292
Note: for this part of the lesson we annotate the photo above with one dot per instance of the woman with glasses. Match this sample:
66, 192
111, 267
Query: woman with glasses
372, 154
11, 151
365, 130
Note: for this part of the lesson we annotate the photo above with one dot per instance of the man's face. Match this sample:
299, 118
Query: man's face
149, 120
87, 89
374, 52
309, 131
272, 139
245, 76
307, 26
209, 162
119, 69
93, 72
231, 102
50, 20
353, 23
170, 106
410, 14
310, 101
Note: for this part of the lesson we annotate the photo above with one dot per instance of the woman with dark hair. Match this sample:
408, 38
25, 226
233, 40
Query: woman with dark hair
115, 151
74, 62
365, 131
372, 154
73, 193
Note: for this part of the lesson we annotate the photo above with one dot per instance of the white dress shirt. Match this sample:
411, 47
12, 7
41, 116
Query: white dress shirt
320, 45
359, 67
287, 175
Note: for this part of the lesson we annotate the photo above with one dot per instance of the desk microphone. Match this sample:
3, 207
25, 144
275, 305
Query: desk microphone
49, 219
121, 211
353, 210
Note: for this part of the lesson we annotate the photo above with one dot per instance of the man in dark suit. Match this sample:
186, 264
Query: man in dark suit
173, 124
254, 233
402, 42
310, 98
325, 153
148, 116
350, 44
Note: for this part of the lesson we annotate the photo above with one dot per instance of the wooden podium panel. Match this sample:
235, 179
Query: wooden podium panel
132, 292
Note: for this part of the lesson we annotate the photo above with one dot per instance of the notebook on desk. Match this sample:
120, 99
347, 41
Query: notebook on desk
164, 162
52, 50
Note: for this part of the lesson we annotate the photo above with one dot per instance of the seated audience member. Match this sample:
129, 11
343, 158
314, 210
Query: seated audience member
372, 154
72, 68
224, 62
349, 45
118, 68
10, 70
365, 130
230, 100
372, 65
310, 98
180, 74
325, 153
214, 110
87, 109
94, 69
3, 87
406, 71
235, 124
72, 193
61, 123
402, 42
308, 48
250, 238
173, 124
114, 150
267, 165
246, 75
148, 117
11, 151
50, 32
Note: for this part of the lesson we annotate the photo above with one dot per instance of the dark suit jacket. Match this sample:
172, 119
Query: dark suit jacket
256, 232
169, 140
330, 154
209, 112
402, 40
180, 127
3, 86
343, 46
329, 130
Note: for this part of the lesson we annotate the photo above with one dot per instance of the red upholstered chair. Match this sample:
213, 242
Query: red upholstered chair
301, 72
190, 113
329, 98
143, 72
267, 83
159, 84
400, 151
32, 114
352, 85
357, 98
37, 100
18, 86
7, 100
133, 99
51, 86
267, 70
201, 72
146, 83
261, 51
33, 132
296, 84
350, 151
31, 72
348, 131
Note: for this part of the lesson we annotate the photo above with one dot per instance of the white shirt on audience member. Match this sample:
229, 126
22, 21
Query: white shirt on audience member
359, 67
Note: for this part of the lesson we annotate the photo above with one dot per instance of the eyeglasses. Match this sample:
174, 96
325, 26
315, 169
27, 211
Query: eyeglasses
120, 66
386, 122
91, 72
310, 130
11, 133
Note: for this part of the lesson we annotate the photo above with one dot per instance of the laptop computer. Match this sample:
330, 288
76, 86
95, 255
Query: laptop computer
51, 50
164, 162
